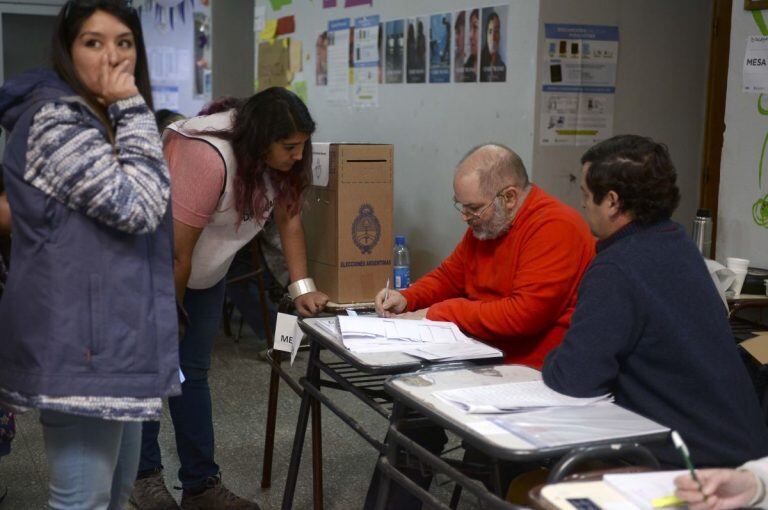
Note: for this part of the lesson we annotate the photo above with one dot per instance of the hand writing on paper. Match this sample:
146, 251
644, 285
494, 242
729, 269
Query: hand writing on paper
725, 489
310, 304
417, 315
389, 303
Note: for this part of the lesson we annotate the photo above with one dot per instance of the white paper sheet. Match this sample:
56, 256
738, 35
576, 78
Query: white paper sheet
722, 277
642, 488
560, 426
755, 71
321, 163
511, 397
288, 334
338, 62
424, 339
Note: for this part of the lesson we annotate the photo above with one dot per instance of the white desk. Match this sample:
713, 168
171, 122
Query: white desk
416, 392
361, 375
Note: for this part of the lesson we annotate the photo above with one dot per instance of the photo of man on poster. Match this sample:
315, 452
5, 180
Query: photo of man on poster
492, 66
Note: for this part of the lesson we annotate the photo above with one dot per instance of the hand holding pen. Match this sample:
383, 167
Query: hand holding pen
389, 302
722, 489
683, 449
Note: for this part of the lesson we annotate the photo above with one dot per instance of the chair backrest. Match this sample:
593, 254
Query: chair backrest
629, 452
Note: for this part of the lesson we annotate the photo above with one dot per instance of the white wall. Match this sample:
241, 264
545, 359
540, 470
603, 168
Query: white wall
661, 92
745, 129
431, 126
233, 47
660, 86
180, 38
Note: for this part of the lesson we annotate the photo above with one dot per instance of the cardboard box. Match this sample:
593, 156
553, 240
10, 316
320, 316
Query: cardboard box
348, 222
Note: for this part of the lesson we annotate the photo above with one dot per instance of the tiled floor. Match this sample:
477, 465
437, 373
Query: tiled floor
240, 384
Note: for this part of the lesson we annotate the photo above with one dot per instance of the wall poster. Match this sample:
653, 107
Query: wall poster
579, 84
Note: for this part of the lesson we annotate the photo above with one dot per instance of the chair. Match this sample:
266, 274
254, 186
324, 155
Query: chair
254, 275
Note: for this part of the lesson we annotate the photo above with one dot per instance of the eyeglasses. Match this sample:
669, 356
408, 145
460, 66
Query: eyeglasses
473, 212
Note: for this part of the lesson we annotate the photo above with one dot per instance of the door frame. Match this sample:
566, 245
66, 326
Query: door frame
36, 9
717, 85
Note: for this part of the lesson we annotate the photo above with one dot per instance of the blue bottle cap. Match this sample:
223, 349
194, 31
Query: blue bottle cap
400, 239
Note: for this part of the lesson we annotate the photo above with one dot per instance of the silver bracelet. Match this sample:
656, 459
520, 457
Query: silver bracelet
301, 287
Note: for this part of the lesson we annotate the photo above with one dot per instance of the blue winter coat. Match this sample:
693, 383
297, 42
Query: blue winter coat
87, 310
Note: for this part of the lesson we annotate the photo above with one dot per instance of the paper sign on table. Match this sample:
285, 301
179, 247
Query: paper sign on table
288, 334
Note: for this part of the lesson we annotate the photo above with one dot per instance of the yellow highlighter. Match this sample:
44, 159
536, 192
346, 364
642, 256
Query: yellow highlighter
667, 501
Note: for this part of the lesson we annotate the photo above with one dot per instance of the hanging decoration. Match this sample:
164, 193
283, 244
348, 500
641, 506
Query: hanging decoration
166, 11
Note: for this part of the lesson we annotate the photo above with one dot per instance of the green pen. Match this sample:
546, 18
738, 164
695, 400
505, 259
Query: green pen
683, 449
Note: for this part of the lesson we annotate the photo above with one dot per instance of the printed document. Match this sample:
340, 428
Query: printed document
512, 397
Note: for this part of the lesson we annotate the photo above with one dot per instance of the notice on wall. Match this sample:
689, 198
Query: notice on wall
165, 63
274, 64
579, 84
338, 62
440, 48
466, 45
394, 51
755, 74
365, 62
321, 163
416, 50
259, 17
166, 97
493, 51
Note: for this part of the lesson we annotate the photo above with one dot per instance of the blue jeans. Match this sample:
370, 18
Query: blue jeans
191, 411
91, 462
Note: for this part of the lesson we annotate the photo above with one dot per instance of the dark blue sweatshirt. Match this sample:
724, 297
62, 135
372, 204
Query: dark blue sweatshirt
650, 328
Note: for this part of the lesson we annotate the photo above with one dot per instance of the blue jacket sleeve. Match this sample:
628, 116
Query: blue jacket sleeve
125, 186
603, 331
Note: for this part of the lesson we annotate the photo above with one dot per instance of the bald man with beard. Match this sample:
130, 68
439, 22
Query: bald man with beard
512, 280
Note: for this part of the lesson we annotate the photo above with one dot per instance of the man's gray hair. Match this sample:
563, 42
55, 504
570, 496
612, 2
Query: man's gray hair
497, 167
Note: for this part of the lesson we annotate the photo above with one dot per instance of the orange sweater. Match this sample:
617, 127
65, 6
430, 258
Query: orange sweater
516, 292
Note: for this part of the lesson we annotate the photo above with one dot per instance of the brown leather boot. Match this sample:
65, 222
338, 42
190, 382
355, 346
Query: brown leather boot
215, 496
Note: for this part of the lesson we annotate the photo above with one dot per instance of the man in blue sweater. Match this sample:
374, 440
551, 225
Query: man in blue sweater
649, 326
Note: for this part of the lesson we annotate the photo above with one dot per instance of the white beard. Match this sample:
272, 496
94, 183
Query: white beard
496, 226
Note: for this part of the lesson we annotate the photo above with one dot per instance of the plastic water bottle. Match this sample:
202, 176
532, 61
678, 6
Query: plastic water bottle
401, 260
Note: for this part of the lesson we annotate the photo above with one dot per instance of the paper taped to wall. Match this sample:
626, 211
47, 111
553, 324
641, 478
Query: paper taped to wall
321, 154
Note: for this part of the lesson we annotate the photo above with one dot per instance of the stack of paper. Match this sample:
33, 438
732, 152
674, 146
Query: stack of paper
643, 488
558, 426
425, 339
512, 397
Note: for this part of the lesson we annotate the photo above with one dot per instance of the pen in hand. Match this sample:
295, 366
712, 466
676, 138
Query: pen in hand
386, 294
683, 449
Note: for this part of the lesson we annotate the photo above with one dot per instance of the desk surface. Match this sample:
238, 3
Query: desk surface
374, 363
747, 297
416, 391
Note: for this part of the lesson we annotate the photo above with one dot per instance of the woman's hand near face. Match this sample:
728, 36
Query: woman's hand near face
310, 304
116, 82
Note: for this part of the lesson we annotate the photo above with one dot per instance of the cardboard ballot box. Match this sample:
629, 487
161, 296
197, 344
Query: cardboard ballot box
348, 220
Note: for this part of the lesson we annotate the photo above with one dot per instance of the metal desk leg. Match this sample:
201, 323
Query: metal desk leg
317, 454
391, 450
313, 373
269, 441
